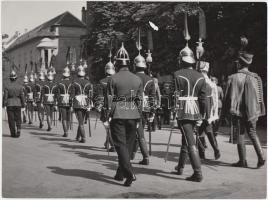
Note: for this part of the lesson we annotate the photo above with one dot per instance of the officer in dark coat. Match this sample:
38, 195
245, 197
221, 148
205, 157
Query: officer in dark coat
109, 70
14, 100
125, 88
147, 108
190, 94
37, 96
82, 101
65, 88
49, 98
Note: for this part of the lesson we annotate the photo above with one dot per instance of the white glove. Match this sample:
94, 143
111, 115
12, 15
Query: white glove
137, 125
88, 109
106, 124
23, 109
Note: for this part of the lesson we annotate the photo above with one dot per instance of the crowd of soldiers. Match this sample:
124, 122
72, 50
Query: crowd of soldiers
127, 102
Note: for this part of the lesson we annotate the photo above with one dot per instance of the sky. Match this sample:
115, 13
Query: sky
21, 15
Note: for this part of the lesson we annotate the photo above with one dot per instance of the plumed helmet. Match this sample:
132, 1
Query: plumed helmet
109, 68
66, 72
32, 78
122, 57
149, 58
42, 76
187, 55
204, 66
81, 71
13, 75
50, 75
25, 79
139, 61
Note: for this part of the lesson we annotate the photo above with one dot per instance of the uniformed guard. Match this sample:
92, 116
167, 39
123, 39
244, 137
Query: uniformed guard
49, 98
190, 103
244, 102
109, 71
125, 88
64, 100
37, 94
14, 101
82, 101
147, 106
30, 97
212, 105
25, 84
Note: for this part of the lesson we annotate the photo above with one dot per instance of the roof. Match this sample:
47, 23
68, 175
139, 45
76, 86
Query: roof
65, 19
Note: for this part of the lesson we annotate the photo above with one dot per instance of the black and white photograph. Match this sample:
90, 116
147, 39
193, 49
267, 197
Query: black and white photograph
134, 99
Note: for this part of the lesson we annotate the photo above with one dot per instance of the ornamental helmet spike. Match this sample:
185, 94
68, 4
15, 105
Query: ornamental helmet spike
32, 77
81, 71
122, 57
109, 67
187, 55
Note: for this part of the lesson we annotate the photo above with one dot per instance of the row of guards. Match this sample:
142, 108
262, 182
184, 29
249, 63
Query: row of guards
127, 102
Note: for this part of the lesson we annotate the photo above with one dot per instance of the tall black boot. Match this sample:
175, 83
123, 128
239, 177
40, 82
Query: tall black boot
144, 151
83, 135
241, 148
201, 147
65, 128
214, 144
257, 146
182, 160
196, 164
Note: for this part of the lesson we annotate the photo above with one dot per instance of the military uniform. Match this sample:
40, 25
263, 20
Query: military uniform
104, 111
149, 91
49, 100
29, 91
211, 116
65, 88
82, 99
37, 97
14, 100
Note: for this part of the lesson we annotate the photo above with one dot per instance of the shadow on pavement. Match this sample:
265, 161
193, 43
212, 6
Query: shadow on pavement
56, 139
172, 156
111, 157
97, 176
43, 134
82, 147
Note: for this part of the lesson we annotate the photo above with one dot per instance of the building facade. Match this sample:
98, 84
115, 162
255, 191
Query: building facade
47, 45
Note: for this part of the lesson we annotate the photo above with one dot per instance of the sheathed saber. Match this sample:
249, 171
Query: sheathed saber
168, 144
89, 127
96, 122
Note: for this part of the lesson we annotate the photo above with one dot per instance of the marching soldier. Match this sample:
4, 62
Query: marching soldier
25, 84
147, 108
64, 101
14, 101
190, 94
212, 103
37, 93
244, 101
124, 113
109, 70
29, 89
82, 101
49, 98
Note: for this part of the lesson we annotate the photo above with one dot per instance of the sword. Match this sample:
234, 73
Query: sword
89, 128
108, 138
150, 137
96, 122
169, 139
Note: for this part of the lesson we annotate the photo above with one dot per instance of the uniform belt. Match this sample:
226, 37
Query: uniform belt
187, 98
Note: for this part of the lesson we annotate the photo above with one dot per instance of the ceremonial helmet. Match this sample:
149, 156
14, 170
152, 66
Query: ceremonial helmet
50, 75
42, 76
13, 75
66, 72
81, 71
122, 57
187, 55
32, 78
25, 79
85, 64
149, 58
139, 61
204, 66
109, 68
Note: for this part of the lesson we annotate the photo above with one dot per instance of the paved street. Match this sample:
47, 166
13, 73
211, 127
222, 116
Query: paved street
44, 164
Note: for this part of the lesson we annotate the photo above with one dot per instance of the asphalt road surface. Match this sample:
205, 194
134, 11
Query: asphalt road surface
44, 164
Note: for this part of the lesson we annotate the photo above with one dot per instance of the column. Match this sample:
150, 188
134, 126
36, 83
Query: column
43, 66
49, 54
